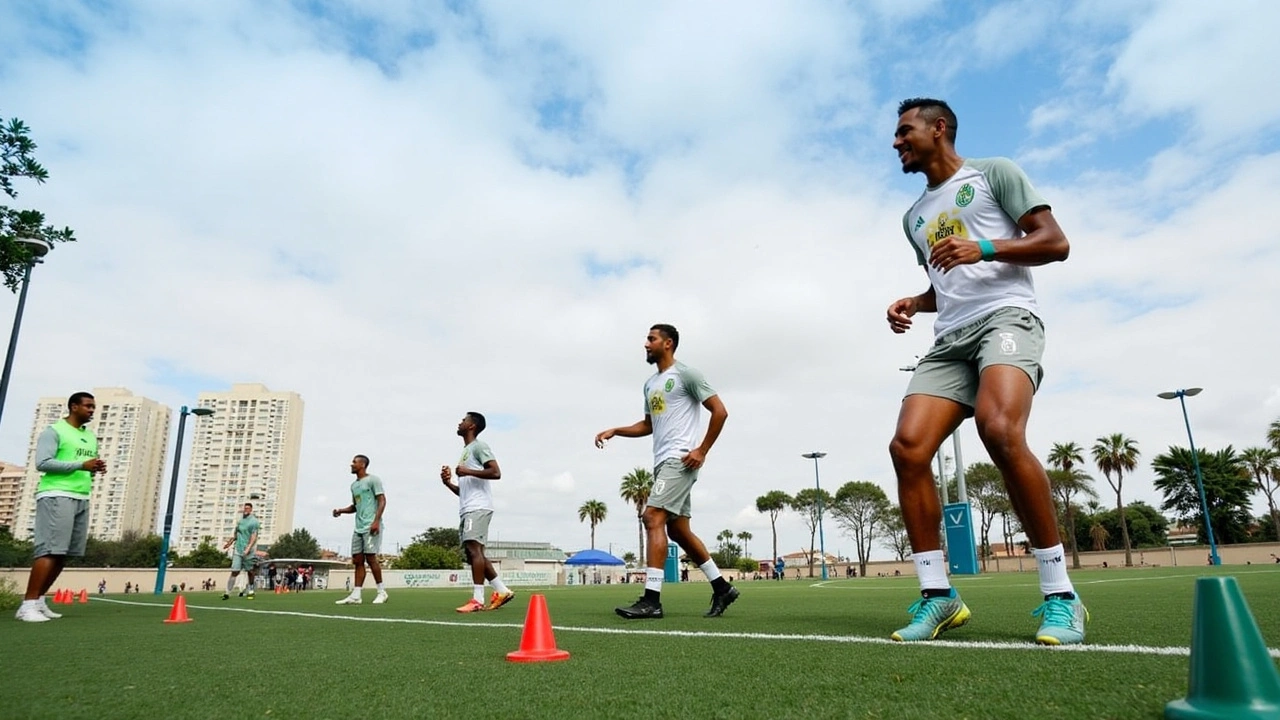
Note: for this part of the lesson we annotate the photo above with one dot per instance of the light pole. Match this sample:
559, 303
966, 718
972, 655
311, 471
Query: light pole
38, 249
173, 490
822, 543
1181, 395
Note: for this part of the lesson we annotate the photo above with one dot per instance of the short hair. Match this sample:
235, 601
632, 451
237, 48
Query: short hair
932, 109
478, 419
78, 398
365, 458
250, 505
669, 332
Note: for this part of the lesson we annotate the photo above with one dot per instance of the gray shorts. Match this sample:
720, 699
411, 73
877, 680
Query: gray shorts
240, 562
672, 487
366, 543
62, 526
474, 526
1008, 336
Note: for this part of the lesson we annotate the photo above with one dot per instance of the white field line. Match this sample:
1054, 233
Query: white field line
851, 584
846, 639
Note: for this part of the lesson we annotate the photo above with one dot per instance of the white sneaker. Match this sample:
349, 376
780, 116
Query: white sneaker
350, 600
46, 611
380, 598
27, 613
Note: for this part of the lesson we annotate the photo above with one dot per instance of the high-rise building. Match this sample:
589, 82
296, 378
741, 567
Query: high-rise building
246, 451
133, 439
10, 490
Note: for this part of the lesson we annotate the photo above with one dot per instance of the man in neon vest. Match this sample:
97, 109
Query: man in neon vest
67, 457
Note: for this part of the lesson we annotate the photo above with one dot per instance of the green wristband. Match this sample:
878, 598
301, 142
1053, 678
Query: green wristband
988, 249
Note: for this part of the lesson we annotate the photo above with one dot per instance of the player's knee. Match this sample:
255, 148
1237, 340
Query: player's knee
1002, 437
908, 452
654, 518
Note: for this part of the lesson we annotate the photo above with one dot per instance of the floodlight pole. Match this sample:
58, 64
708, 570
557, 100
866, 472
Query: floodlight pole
173, 491
822, 543
1181, 395
38, 248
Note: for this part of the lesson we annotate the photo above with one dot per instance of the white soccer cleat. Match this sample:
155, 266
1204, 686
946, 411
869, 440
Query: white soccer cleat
46, 611
380, 598
26, 613
349, 600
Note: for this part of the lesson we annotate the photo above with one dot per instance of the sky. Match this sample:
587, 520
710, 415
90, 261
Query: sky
406, 211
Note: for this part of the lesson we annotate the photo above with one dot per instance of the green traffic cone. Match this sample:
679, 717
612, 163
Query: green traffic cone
1232, 673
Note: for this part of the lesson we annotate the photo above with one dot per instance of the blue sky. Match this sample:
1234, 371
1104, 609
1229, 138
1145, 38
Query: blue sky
407, 211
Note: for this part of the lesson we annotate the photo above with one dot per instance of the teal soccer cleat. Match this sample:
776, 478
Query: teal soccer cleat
931, 616
1063, 621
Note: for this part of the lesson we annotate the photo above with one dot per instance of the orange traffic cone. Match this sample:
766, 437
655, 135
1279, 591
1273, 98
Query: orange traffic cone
179, 612
538, 643
84, 596
60, 598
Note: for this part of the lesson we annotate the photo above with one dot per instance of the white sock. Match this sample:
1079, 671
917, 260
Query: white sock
355, 590
931, 569
500, 586
477, 593
653, 579
231, 584
382, 588
32, 603
1053, 570
709, 569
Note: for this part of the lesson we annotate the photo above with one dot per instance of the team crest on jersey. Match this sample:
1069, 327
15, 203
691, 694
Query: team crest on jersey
671, 383
657, 404
944, 227
964, 195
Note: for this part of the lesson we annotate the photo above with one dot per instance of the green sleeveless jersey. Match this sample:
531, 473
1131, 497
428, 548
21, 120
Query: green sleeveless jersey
74, 445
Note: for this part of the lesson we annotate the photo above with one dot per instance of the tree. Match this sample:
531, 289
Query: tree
629, 558
1065, 456
1273, 435
810, 503
1099, 535
17, 161
595, 512
635, 489
1227, 487
297, 545
206, 555
747, 566
1065, 484
419, 555
723, 537
858, 507
14, 552
1116, 455
895, 533
1147, 527
132, 550
745, 536
445, 537
773, 502
1263, 464
985, 487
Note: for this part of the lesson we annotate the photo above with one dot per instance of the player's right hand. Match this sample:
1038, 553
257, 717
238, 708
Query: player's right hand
336, 513
445, 474
603, 438
900, 312
95, 465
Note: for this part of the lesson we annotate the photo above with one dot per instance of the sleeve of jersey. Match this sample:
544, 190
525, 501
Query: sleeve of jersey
376, 486
1011, 187
695, 384
483, 454
906, 228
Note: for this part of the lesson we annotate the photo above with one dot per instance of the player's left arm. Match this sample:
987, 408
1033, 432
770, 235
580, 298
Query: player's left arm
490, 471
376, 525
719, 414
252, 545
1043, 243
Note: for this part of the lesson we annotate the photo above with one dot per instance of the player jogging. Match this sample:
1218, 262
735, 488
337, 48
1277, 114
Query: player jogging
367, 503
476, 470
977, 229
245, 556
673, 399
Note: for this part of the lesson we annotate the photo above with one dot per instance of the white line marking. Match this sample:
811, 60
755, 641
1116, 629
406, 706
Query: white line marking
848, 639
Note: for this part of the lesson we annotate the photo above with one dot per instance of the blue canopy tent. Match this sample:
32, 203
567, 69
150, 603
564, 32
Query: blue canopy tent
593, 557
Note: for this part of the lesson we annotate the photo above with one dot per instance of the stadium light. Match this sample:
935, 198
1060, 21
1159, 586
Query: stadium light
822, 543
38, 249
173, 490
1182, 395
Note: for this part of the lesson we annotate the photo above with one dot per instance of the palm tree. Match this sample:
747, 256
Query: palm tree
773, 502
1116, 455
1264, 464
724, 537
1066, 456
1065, 485
744, 536
1273, 435
1099, 535
635, 489
595, 511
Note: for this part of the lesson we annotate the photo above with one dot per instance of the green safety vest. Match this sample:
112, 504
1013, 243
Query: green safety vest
74, 445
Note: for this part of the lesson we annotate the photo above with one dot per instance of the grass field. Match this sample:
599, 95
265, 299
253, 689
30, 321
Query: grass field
789, 649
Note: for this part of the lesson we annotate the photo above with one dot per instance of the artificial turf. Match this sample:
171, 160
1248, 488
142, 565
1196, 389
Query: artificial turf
785, 649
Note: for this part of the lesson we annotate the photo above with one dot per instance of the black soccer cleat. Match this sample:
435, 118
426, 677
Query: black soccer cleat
225, 596
721, 602
643, 609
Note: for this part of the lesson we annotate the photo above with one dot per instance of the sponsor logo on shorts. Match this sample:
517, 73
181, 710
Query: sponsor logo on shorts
1007, 344
964, 195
